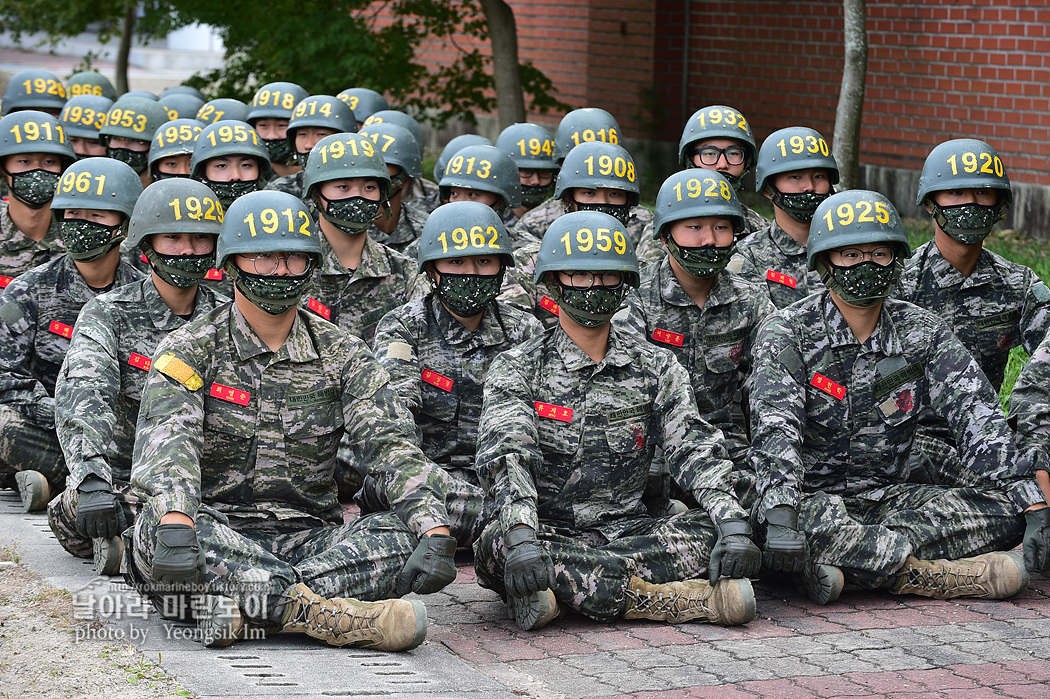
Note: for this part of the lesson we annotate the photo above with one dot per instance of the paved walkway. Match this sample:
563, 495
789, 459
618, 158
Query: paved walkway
866, 646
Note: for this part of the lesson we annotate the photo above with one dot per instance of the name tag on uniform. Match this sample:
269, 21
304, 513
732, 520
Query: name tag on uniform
435, 379
4, 281
140, 362
230, 395
214, 274
547, 304
835, 390
781, 278
62, 329
320, 309
668, 338
554, 412
1000, 319
144, 258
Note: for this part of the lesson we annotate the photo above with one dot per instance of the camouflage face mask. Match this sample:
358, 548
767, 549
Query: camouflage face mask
532, 195
352, 215
87, 241
590, 307
273, 294
864, 284
466, 295
800, 206
967, 223
621, 212
702, 262
280, 150
158, 176
35, 187
181, 271
302, 158
137, 159
228, 192
736, 181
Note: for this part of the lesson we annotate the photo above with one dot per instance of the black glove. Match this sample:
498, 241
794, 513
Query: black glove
430, 567
99, 514
528, 568
178, 559
734, 553
786, 550
1037, 540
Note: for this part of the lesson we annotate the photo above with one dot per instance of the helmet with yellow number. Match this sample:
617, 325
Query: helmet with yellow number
85, 115
485, 169
33, 89
585, 125
463, 229
222, 109
363, 101
90, 82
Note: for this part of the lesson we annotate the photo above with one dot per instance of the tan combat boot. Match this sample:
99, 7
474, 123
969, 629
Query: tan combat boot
729, 602
392, 624
989, 576
34, 490
535, 611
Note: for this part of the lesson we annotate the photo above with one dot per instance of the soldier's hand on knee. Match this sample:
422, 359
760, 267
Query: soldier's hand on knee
786, 550
99, 514
1037, 540
528, 568
178, 559
430, 567
734, 554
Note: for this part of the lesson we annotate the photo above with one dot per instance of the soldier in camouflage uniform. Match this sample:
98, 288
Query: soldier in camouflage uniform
401, 223
171, 152
99, 386
439, 348
230, 158
840, 379
38, 312
706, 315
536, 155
796, 171
269, 114
235, 458
568, 428
31, 168
82, 117
128, 132
314, 118
421, 193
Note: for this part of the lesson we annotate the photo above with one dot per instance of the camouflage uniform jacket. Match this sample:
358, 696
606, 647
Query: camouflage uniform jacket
405, 237
569, 443
357, 300
536, 222
292, 184
437, 368
1001, 305
252, 432
38, 312
99, 387
19, 253
519, 290
1030, 404
773, 259
713, 343
425, 194
830, 414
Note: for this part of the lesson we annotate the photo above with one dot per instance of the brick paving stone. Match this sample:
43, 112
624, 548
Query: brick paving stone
613, 640
994, 651
898, 637
854, 621
1035, 670
740, 671
960, 614
656, 636
509, 650
706, 655
810, 625
684, 676
645, 658
850, 640
938, 679
892, 658
1005, 610
843, 663
1024, 691
713, 693
779, 689
787, 666
832, 686
944, 655
956, 633
991, 674
902, 616
885, 682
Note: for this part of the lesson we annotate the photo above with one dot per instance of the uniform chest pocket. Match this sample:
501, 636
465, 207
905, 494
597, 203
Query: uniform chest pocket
311, 421
230, 419
558, 436
438, 404
825, 402
627, 437
722, 351
997, 334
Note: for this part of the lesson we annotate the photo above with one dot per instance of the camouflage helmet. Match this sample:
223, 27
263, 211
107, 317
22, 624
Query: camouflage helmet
791, 149
454, 146
181, 105
587, 241
486, 169
222, 109
33, 89
178, 205
363, 101
531, 146
585, 125
228, 137
463, 229
97, 183
692, 194
84, 115
855, 217
585, 168
716, 121
90, 82
243, 232
397, 145
183, 90
136, 118
963, 163
342, 156
30, 131
392, 116
176, 137
275, 100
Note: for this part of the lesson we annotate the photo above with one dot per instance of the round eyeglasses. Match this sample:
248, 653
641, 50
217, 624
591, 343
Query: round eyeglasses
266, 264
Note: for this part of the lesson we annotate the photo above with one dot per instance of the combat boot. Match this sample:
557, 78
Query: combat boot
107, 554
822, 583
34, 490
393, 624
729, 602
535, 611
989, 576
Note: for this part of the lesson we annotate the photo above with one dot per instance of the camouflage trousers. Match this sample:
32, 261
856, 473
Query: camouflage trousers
62, 517
869, 535
591, 572
256, 562
468, 508
26, 446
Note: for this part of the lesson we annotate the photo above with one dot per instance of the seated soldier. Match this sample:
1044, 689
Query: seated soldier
38, 313
568, 428
839, 383
229, 157
171, 151
82, 117
421, 193
536, 156
128, 132
796, 171
235, 460
269, 114
402, 222
438, 349
314, 118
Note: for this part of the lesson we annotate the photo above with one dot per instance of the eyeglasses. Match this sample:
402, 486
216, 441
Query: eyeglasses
709, 155
585, 280
544, 176
848, 257
266, 264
